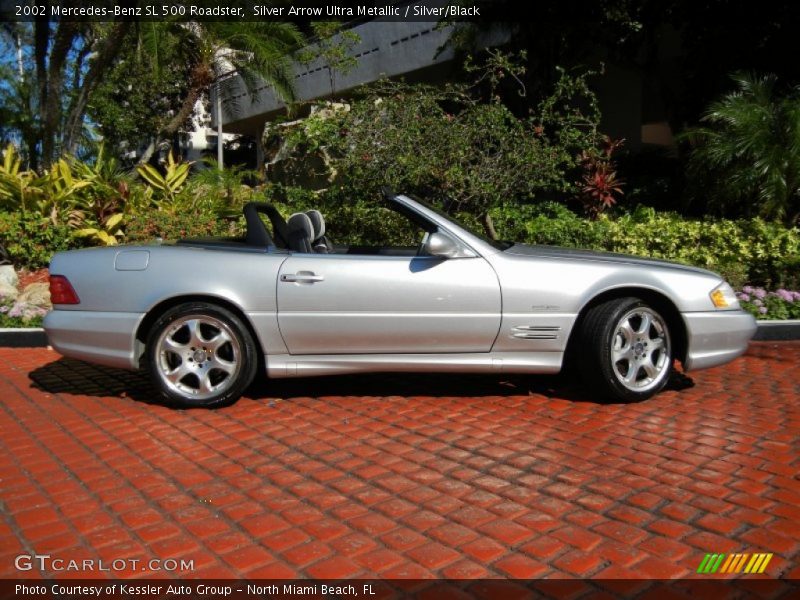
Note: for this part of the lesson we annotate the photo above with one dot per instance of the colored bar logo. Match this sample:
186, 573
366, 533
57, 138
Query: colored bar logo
734, 563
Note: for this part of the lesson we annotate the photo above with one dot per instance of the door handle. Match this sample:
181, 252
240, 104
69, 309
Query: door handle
303, 277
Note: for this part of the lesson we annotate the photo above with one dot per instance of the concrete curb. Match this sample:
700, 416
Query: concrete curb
34, 337
778, 330
22, 337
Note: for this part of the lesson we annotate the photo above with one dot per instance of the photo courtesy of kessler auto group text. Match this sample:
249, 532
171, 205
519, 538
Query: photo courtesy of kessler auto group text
399, 299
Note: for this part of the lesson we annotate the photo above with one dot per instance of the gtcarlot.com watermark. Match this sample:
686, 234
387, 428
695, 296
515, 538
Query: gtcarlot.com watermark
46, 562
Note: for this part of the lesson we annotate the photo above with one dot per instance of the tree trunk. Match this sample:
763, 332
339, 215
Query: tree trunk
51, 109
488, 226
171, 128
109, 49
41, 35
148, 152
20, 63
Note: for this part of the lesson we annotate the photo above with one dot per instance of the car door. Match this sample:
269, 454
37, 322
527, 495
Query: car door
359, 304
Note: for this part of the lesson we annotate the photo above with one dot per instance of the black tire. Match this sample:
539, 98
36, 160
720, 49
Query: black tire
200, 355
619, 355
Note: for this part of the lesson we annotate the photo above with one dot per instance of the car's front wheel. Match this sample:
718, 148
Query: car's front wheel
201, 354
625, 349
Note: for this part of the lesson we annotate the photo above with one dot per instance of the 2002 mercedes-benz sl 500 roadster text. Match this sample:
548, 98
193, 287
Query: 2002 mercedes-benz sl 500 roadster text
203, 316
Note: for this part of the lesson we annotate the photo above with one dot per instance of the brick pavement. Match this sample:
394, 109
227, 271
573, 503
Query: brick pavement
402, 476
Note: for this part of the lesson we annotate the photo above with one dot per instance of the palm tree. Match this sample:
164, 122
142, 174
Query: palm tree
257, 51
747, 156
55, 79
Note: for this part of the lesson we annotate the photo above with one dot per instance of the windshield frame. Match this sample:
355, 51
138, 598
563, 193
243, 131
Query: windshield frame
501, 245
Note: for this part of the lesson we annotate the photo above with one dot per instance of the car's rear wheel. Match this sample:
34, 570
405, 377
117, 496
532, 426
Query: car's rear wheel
625, 350
201, 354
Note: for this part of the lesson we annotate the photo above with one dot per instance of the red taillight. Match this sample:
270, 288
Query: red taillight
61, 291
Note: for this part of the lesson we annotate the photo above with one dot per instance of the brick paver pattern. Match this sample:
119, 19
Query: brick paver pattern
404, 475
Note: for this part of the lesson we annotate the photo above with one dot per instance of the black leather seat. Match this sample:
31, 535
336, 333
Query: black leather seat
320, 244
301, 233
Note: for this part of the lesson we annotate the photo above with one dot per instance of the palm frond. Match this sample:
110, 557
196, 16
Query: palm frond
748, 151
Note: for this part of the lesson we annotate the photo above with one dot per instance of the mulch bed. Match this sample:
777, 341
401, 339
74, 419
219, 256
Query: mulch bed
28, 277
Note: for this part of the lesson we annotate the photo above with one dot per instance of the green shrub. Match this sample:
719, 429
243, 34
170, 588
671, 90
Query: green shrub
144, 228
31, 240
450, 144
746, 250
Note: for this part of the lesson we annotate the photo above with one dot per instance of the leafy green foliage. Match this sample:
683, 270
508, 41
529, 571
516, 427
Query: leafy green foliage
136, 98
147, 227
746, 160
50, 195
32, 240
167, 185
97, 214
446, 144
87, 197
223, 191
19, 188
743, 251
106, 233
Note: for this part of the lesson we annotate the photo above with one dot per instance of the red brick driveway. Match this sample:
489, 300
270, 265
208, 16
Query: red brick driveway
403, 476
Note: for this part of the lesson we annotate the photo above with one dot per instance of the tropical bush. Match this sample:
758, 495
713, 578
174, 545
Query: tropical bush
457, 149
32, 240
745, 160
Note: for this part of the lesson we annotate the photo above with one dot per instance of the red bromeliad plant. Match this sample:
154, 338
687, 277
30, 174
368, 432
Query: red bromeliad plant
601, 184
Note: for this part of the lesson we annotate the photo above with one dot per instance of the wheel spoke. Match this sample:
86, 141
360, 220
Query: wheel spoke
216, 342
650, 368
627, 331
624, 353
195, 336
644, 326
178, 373
656, 343
205, 383
633, 371
222, 365
171, 345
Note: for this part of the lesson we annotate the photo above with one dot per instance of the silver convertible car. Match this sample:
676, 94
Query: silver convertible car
204, 316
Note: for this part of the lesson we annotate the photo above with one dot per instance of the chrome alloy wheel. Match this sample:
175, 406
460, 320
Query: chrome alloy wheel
199, 356
640, 350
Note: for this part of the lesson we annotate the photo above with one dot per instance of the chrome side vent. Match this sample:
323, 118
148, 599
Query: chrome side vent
532, 332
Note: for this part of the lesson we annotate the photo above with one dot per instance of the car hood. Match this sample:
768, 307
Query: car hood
608, 257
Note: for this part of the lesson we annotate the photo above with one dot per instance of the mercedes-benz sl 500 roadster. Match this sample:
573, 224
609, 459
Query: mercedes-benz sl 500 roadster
205, 316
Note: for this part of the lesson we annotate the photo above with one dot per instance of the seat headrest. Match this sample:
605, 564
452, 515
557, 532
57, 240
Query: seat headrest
299, 223
318, 221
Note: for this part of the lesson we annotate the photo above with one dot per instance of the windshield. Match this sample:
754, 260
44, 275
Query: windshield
499, 244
